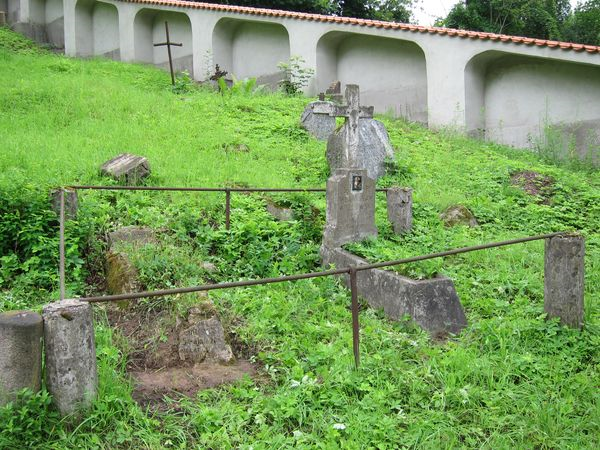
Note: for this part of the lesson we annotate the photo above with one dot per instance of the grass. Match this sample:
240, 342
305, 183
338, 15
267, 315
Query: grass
511, 379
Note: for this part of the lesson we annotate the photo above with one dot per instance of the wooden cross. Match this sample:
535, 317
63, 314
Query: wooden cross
168, 43
352, 111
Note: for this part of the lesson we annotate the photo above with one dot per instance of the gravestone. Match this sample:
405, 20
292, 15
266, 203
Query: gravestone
399, 209
362, 142
126, 167
350, 213
334, 92
458, 215
320, 126
20, 353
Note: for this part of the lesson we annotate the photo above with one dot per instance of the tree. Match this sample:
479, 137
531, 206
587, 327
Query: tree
584, 25
391, 10
543, 19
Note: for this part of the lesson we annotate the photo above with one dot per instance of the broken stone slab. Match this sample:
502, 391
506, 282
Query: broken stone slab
350, 215
71, 202
373, 148
458, 215
399, 209
204, 340
280, 213
135, 235
432, 304
70, 355
564, 273
127, 167
20, 353
321, 126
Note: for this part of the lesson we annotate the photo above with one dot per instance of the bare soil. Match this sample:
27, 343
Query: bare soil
151, 341
534, 184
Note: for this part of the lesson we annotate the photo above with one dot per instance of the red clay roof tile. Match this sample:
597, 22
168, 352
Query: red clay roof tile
371, 23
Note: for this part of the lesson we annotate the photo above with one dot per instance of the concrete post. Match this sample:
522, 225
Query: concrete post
71, 374
399, 209
564, 279
20, 353
71, 202
2, 18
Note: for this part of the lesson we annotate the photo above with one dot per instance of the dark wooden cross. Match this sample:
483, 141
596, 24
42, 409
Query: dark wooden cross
168, 43
352, 111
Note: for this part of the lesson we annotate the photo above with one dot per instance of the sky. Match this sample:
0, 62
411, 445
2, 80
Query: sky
427, 11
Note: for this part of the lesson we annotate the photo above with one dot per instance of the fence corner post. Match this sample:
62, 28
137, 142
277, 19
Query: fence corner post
564, 271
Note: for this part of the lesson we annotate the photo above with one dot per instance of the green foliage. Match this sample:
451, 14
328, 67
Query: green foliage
584, 25
542, 19
395, 10
296, 76
183, 83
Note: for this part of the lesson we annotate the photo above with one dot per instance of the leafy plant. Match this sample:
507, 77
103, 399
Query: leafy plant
296, 76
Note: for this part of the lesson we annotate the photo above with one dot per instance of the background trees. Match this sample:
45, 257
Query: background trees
543, 19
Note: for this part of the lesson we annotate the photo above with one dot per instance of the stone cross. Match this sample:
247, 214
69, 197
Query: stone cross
352, 111
168, 44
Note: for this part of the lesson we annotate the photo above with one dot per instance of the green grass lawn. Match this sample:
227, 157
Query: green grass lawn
511, 379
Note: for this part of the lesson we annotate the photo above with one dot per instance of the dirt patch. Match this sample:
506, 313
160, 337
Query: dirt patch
151, 339
151, 387
534, 184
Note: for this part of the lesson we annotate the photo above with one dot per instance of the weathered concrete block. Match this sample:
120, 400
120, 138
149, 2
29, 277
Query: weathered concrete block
458, 215
320, 126
204, 339
373, 148
127, 167
121, 274
2, 19
20, 353
71, 202
350, 213
564, 272
432, 304
134, 235
70, 354
399, 209
280, 213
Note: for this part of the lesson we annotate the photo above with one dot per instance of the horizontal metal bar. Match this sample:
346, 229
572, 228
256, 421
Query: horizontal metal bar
211, 287
198, 189
457, 251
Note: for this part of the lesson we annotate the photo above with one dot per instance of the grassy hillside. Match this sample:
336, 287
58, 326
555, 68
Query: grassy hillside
511, 379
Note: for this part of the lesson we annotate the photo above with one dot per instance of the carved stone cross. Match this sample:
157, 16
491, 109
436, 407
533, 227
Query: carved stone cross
352, 111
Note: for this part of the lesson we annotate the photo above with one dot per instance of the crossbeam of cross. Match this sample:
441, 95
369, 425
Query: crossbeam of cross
169, 44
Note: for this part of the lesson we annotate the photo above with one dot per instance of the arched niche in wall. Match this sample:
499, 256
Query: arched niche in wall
13, 9
391, 73
97, 29
149, 29
55, 23
526, 102
251, 49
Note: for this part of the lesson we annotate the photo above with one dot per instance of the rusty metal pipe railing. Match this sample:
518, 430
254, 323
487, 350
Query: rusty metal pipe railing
227, 191
198, 189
